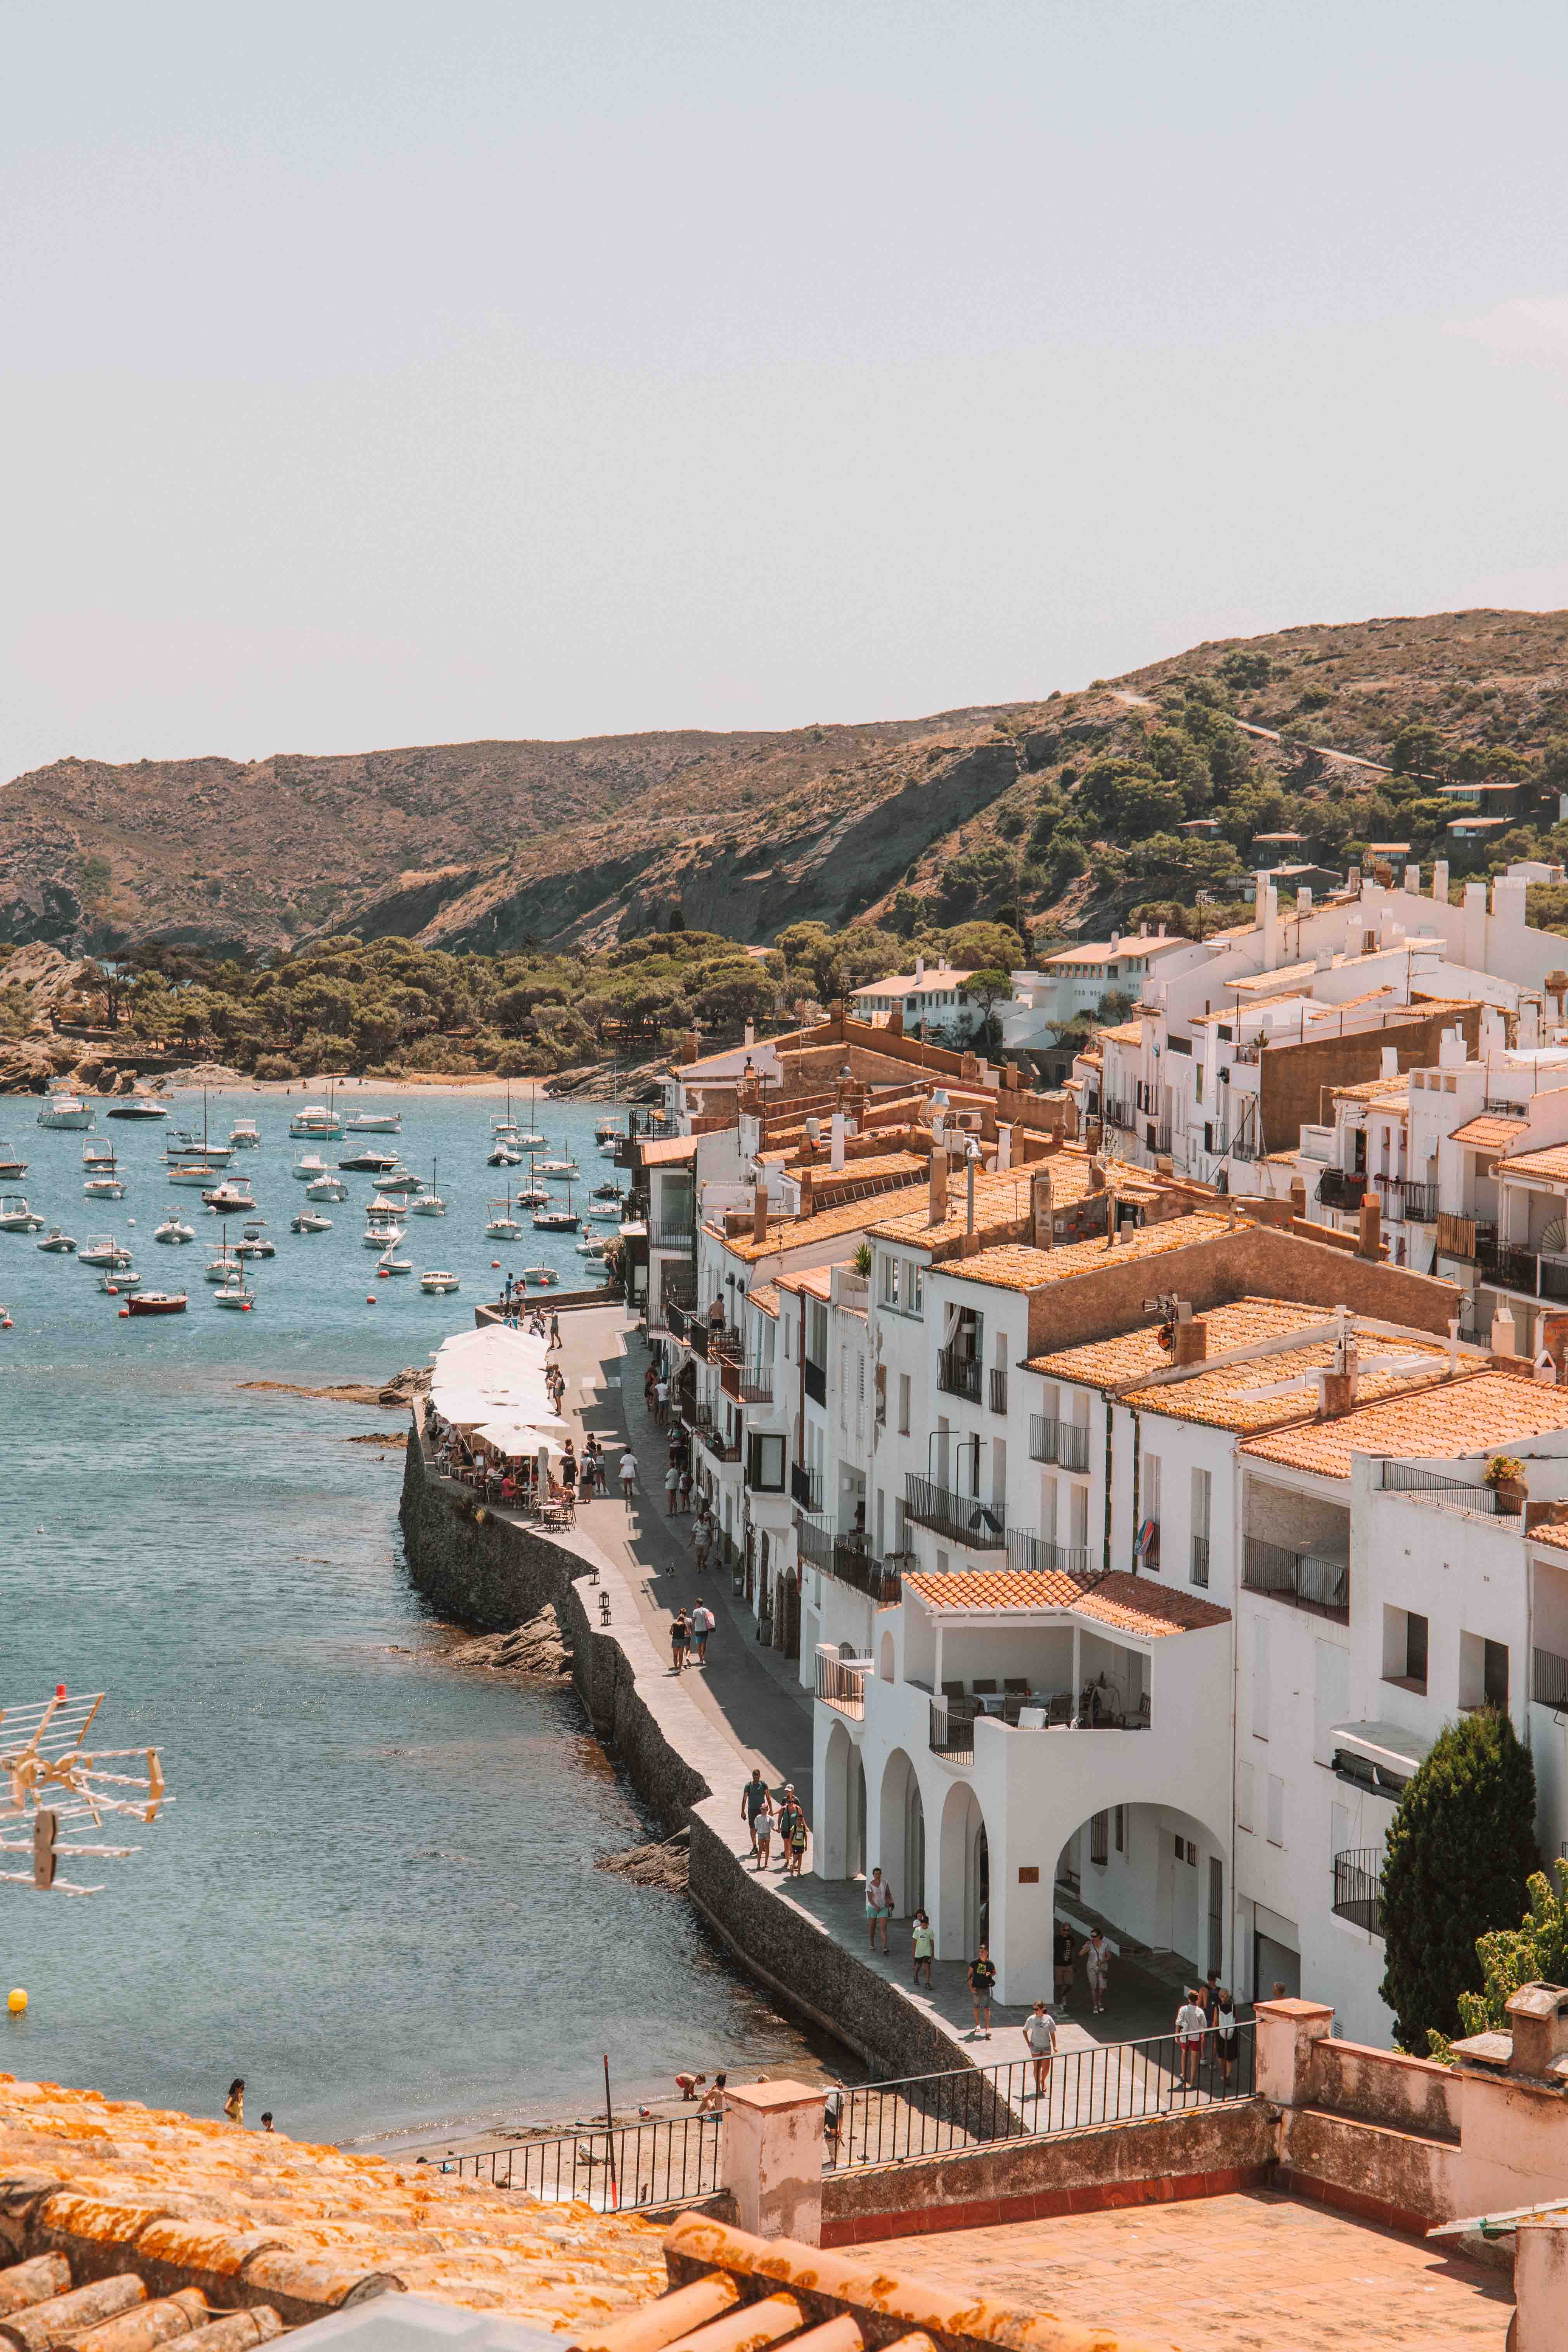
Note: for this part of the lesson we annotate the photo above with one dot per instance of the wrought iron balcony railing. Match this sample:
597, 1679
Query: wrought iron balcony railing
1064, 1443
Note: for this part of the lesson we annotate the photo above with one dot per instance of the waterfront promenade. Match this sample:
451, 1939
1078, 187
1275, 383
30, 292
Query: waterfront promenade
748, 1706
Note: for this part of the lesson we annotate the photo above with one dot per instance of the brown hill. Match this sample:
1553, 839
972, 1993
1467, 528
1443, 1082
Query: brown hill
487, 844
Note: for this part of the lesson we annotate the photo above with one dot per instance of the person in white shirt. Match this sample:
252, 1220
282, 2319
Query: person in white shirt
1190, 2027
1040, 2034
878, 1906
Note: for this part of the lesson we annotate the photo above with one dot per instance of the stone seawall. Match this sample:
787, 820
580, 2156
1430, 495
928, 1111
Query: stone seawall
489, 1573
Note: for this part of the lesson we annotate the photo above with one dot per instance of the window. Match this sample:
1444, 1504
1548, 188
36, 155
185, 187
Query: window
1120, 1829
1276, 1810
1203, 1485
1186, 1852
765, 1464
1497, 1675
903, 1404
1100, 1838
1483, 1673
1405, 1649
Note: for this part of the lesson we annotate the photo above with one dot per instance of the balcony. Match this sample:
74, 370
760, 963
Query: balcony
1305, 1580
679, 1314
805, 1486
1116, 1113
1064, 1443
813, 1378
952, 1731
1510, 1269
712, 1439
1463, 1236
747, 1384
1549, 1680
1447, 1493
1038, 1555
845, 1559
1358, 1887
1099, 1707
840, 1681
958, 1375
1339, 1187
998, 1388
679, 1238
1420, 1204
963, 1518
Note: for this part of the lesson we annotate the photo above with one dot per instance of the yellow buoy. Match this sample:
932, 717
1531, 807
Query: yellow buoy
15, 2000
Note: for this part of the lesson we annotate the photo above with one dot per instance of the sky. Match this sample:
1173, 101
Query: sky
385, 374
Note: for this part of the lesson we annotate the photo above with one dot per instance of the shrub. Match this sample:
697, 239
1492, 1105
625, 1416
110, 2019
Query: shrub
1535, 1952
275, 1065
1460, 1852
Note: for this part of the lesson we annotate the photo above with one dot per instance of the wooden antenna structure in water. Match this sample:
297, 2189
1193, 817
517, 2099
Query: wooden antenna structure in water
51, 1783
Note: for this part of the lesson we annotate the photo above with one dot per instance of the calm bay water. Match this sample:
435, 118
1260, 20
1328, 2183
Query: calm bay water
375, 1896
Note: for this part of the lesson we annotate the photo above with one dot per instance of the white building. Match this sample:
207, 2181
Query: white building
932, 1001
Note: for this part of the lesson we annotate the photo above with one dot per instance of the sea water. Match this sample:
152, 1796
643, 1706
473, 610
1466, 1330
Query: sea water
374, 1896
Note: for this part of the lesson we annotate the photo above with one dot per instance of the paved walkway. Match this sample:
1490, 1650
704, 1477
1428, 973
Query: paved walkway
751, 1698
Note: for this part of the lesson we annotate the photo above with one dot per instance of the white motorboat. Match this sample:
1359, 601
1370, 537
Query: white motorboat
606, 1212
382, 1206
434, 1281
606, 1151
66, 1111
9, 1163
308, 1221
368, 1161
390, 1263
428, 1203
375, 1122
58, 1243
233, 1198
398, 1179
245, 1136
137, 1106
256, 1245
545, 1275
237, 1295
591, 1245
15, 1216
505, 1153
561, 1171
502, 1225
105, 1186
317, 1120
102, 1249
380, 1236
193, 1173
172, 1230
605, 1132
117, 1278
327, 1188
310, 1167
225, 1268
186, 1146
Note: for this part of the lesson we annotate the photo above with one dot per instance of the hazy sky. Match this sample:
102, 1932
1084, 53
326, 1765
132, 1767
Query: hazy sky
382, 373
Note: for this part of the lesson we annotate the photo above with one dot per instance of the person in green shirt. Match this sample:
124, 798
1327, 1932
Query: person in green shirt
924, 1944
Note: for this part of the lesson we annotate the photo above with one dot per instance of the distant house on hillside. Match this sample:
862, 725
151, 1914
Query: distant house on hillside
935, 1001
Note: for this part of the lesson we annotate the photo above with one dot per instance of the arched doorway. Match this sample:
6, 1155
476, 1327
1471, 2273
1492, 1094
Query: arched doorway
834, 1854
885, 1662
787, 1614
963, 1895
903, 1850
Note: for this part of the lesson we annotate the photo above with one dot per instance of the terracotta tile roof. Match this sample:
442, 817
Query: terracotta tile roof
1375, 1090
1479, 1413
1003, 1199
1092, 951
765, 1299
906, 983
1227, 1399
1014, 1265
1551, 1159
673, 1148
815, 1281
784, 1234
1125, 1033
306, 2223
1105, 1363
1132, 1604
1490, 1132
881, 1169
1555, 1534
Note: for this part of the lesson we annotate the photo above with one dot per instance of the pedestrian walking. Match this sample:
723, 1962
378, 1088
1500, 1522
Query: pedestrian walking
982, 1977
703, 1623
678, 1633
234, 2105
764, 1830
661, 1401
1190, 2029
627, 1474
922, 1944
753, 1797
554, 1328
833, 2119
1040, 2034
798, 1833
1096, 1957
1224, 2030
683, 1491
671, 1488
569, 1471
1063, 1965
878, 1906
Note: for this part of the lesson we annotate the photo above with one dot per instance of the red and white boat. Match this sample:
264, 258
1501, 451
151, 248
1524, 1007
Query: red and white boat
155, 1302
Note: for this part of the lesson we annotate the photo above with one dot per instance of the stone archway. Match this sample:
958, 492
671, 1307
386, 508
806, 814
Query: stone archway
964, 1887
833, 1856
902, 1847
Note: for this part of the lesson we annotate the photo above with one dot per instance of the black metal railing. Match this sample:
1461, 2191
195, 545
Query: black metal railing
674, 1238
1549, 1679
1358, 1887
805, 1486
953, 1730
813, 1378
998, 1388
1082, 2090
1340, 1188
1420, 1202
677, 1313
748, 1383
958, 1375
1447, 1493
1029, 1552
841, 1682
1310, 1581
963, 1517
671, 2161
1064, 1443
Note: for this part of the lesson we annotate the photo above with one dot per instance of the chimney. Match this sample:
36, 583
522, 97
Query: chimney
919, 969
895, 1026
807, 1183
759, 1213
1413, 880
1011, 1080
1115, 942
1538, 2014
1505, 1337
693, 1045
1371, 1242
970, 1239
938, 1212
1299, 1197
1041, 1197
1440, 881
1304, 901
1143, 930
1388, 1062
1161, 932
1338, 1384
1192, 1342
1003, 1148
751, 1032
1271, 931
836, 1141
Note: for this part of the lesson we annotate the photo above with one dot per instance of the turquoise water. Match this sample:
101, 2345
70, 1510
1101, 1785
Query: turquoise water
374, 1897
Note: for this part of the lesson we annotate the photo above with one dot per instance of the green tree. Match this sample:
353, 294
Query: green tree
1460, 1852
988, 989
1535, 1952
1418, 750
1243, 669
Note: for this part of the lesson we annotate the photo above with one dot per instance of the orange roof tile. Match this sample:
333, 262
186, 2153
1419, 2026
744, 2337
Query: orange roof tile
765, 1299
1003, 1199
1132, 1604
1490, 1132
673, 1148
1014, 1265
1551, 1160
815, 1281
827, 1224
1375, 1090
1125, 1033
1555, 1534
1105, 1363
1479, 1412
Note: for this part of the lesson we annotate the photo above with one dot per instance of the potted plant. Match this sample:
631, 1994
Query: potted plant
1505, 1475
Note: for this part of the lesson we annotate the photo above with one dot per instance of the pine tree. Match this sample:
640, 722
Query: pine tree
1460, 1852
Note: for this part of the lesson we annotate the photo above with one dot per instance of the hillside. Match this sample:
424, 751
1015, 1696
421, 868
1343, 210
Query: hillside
1068, 809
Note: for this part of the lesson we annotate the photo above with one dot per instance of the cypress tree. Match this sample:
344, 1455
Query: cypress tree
1460, 1852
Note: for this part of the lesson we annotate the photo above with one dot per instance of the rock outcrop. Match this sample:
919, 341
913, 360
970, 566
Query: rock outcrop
538, 1649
